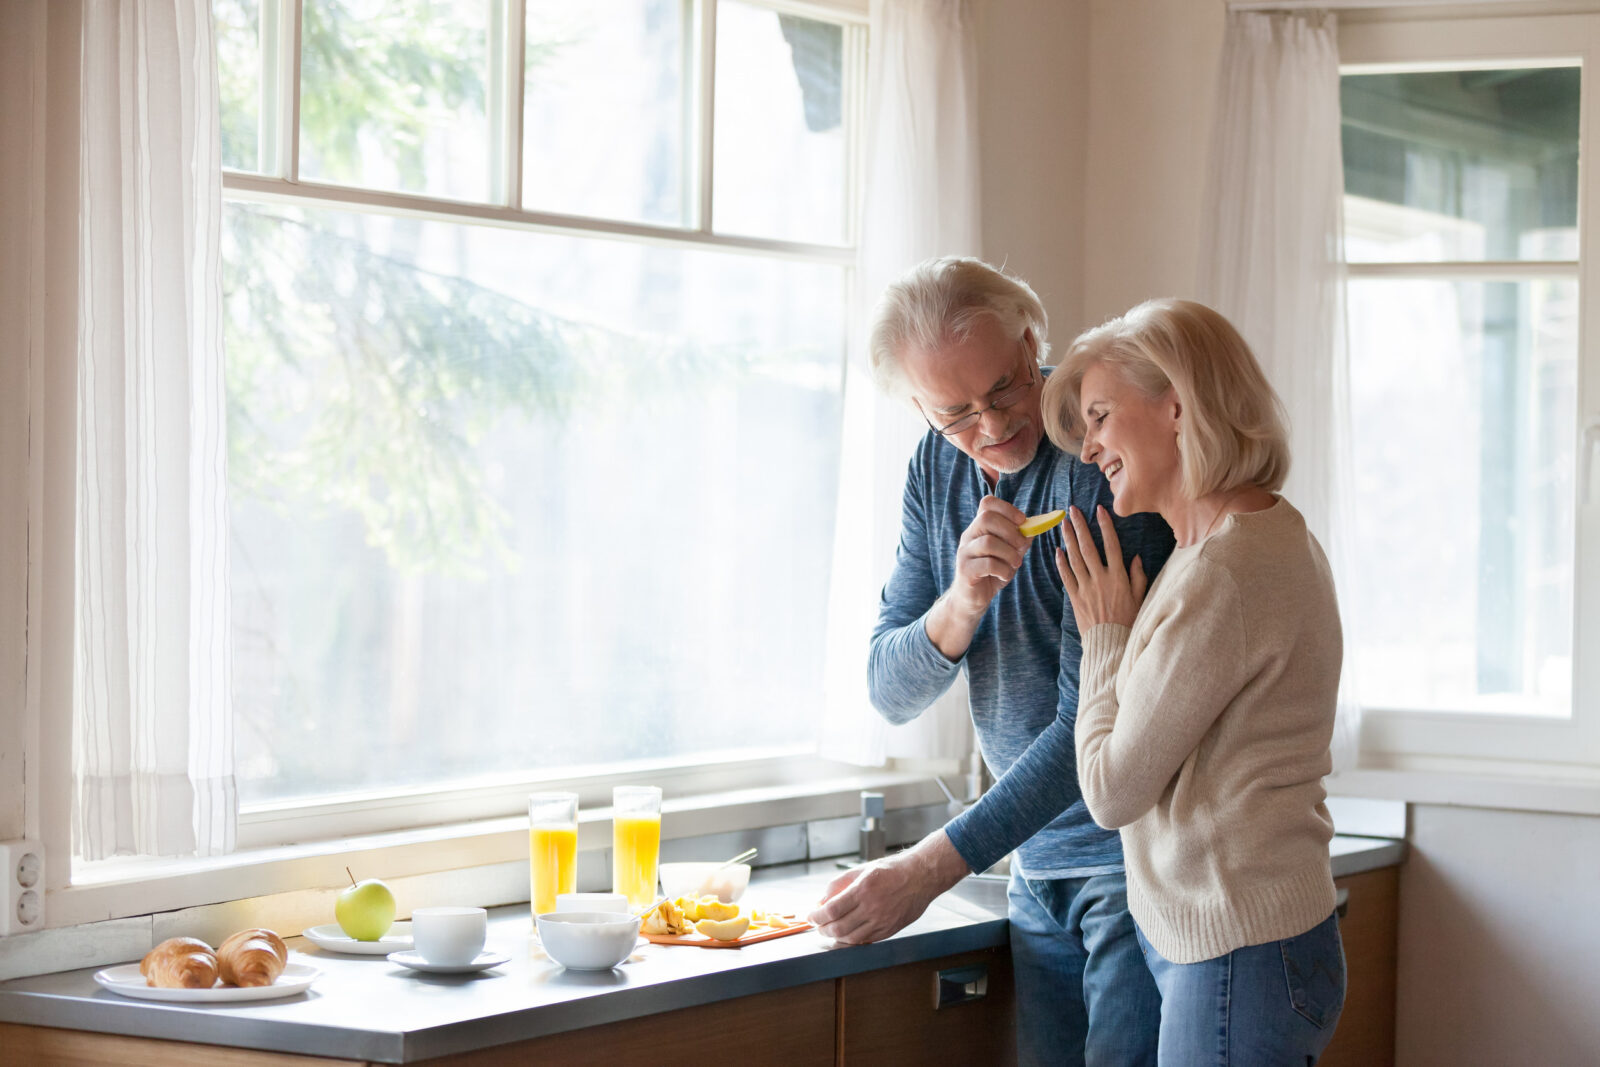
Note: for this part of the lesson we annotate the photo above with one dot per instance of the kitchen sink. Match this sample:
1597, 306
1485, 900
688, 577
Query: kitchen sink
984, 890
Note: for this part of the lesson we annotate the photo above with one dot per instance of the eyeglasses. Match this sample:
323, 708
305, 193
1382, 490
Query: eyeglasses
1009, 398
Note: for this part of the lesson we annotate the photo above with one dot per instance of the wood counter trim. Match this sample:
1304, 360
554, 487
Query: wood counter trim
794, 1026
1370, 931
49, 1047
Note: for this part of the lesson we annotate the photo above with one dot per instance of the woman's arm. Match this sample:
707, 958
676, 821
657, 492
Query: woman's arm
1132, 741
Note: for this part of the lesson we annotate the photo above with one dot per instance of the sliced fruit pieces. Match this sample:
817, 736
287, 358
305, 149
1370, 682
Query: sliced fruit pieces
1034, 525
712, 908
665, 918
724, 929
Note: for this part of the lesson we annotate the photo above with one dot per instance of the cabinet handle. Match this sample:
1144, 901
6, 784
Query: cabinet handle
961, 985
1341, 903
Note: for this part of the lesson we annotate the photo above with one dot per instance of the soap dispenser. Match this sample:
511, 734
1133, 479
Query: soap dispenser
874, 838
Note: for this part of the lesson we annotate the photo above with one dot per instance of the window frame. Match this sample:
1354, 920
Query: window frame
463, 824
279, 179
399, 809
1405, 739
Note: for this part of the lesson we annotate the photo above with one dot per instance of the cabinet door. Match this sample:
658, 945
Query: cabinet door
43, 1046
1370, 928
788, 1026
894, 1016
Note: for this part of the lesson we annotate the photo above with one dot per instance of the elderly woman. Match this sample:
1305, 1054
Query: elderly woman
1206, 706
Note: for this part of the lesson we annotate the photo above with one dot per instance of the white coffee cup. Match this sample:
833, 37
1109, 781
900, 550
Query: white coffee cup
449, 937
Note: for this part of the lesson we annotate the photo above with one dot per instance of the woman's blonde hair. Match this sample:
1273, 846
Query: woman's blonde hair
1233, 428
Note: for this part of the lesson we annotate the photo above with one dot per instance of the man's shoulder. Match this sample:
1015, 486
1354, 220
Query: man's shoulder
1080, 483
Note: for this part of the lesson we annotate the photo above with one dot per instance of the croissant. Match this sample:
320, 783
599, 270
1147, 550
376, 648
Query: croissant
252, 957
180, 963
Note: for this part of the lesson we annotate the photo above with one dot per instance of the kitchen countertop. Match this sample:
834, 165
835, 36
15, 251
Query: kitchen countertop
366, 1008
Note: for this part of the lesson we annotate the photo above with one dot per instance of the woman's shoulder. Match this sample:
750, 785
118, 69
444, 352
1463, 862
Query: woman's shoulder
1266, 549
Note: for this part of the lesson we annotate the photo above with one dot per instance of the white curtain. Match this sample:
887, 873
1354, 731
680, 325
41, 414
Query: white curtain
153, 744
1272, 260
921, 200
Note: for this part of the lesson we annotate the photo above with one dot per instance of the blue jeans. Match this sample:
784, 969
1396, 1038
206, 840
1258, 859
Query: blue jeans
1269, 1005
1084, 995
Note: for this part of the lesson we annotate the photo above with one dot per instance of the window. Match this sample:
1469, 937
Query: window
535, 334
1474, 589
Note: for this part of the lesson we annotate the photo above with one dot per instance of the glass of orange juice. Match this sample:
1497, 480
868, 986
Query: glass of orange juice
635, 842
552, 848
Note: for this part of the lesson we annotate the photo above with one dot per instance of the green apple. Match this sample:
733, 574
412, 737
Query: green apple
365, 910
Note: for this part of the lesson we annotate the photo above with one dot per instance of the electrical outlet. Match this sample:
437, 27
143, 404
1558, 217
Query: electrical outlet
22, 888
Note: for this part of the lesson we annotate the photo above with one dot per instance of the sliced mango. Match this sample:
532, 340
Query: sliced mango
712, 908
690, 907
1034, 525
725, 929
665, 918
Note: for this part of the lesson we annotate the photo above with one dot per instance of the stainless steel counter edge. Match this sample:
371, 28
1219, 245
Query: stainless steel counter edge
968, 918
767, 977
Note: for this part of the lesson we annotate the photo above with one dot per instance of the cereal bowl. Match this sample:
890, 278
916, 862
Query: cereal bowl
588, 940
726, 883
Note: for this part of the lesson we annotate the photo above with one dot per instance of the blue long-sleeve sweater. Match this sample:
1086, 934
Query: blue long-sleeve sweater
1022, 665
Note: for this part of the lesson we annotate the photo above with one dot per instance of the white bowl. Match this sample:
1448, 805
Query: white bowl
705, 879
588, 940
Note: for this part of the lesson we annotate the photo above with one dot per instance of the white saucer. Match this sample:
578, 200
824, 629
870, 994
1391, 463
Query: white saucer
484, 961
127, 980
328, 936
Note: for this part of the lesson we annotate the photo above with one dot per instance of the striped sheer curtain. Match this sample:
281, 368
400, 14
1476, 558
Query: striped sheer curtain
921, 200
1272, 260
152, 733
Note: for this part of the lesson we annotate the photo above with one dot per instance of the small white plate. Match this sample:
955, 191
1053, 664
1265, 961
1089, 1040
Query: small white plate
127, 981
484, 961
329, 936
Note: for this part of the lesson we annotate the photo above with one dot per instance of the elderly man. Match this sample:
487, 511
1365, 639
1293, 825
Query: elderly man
964, 343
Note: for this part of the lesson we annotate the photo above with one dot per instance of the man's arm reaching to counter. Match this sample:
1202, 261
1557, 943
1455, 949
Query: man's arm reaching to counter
916, 651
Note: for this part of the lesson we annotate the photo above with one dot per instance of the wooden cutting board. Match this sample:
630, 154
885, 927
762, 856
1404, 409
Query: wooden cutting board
702, 941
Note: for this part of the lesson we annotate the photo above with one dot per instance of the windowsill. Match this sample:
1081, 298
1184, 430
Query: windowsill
1494, 784
144, 887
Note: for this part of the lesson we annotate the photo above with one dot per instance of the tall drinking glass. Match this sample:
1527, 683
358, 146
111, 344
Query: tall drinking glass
552, 848
635, 842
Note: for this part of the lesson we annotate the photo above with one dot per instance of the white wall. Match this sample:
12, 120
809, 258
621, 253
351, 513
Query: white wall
1033, 83
1499, 938
1152, 74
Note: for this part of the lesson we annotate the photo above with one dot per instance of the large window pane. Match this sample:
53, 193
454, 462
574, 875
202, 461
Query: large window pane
237, 25
392, 96
604, 109
1461, 165
1464, 407
504, 502
779, 147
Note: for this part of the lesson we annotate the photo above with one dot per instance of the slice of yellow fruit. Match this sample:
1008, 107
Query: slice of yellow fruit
689, 906
725, 929
1034, 525
712, 908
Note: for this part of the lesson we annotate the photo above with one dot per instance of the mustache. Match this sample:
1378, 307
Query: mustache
1009, 431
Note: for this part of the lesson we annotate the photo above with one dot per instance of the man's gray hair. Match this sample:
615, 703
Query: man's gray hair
939, 301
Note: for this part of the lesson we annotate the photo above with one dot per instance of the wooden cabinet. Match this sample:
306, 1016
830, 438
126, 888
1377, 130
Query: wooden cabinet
43, 1046
895, 1016
789, 1026
1370, 928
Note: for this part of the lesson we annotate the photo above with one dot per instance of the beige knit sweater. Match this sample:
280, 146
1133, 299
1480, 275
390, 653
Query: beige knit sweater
1203, 734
